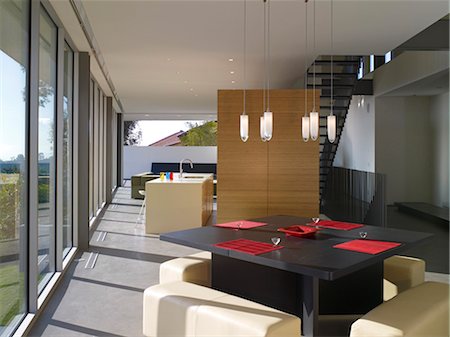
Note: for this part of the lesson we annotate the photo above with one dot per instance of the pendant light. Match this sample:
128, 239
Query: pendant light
262, 123
314, 115
266, 121
331, 119
244, 116
262, 129
305, 118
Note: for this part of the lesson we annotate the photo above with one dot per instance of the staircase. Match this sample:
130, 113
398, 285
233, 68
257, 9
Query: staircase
345, 70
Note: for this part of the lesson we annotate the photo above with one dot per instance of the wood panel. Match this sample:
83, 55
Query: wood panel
255, 178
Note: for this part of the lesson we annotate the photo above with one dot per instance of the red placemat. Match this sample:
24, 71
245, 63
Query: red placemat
344, 226
244, 224
248, 246
367, 246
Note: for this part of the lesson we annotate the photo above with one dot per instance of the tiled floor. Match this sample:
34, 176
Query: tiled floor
435, 252
107, 300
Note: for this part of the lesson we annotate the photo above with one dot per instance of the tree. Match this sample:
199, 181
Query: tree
200, 134
132, 133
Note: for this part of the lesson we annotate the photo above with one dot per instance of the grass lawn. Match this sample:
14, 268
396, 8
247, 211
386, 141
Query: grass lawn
11, 292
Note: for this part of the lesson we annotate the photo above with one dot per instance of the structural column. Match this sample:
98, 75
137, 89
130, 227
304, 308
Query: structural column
109, 148
82, 149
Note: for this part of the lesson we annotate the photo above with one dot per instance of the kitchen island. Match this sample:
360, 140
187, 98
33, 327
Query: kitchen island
179, 203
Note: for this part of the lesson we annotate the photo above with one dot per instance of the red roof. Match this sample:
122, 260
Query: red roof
171, 140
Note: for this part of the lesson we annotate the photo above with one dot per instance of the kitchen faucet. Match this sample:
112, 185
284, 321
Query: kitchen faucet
181, 166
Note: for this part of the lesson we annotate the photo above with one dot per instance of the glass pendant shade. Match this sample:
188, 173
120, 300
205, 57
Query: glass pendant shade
244, 127
331, 128
305, 128
262, 126
314, 125
268, 125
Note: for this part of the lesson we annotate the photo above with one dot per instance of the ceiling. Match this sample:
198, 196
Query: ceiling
169, 58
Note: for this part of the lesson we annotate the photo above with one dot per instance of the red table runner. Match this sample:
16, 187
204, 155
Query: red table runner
248, 246
367, 246
344, 226
241, 224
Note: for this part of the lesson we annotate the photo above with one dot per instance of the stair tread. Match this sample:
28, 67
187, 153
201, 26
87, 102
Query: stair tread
340, 62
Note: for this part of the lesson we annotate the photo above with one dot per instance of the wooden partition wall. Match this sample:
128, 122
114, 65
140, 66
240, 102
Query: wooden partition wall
256, 178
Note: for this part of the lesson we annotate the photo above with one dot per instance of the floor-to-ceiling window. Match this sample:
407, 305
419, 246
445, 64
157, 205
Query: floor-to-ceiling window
14, 51
98, 112
91, 151
38, 122
67, 134
46, 148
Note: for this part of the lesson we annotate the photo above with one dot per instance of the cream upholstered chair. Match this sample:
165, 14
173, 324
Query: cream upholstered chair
195, 268
186, 309
422, 311
402, 273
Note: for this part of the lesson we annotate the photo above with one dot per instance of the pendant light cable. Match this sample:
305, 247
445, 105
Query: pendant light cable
331, 25
314, 51
268, 55
265, 59
306, 57
245, 53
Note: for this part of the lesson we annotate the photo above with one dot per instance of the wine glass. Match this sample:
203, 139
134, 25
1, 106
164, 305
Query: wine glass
276, 241
239, 225
363, 235
316, 221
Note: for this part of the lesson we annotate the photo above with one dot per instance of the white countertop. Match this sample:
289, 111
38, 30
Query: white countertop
188, 178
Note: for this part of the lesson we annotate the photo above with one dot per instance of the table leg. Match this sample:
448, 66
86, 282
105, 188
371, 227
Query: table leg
310, 306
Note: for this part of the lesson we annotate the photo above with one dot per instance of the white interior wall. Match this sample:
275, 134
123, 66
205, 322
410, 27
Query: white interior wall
407, 68
138, 159
356, 148
439, 120
402, 147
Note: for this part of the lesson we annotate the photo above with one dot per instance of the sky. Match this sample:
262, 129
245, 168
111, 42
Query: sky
12, 108
153, 131
13, 112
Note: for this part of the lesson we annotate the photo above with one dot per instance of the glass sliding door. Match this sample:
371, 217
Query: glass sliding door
67, 148
95, 141
46, 148
14, 53
91, 151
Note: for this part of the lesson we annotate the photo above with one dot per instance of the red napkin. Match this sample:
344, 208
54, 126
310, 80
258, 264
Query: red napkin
248, 246
367, 246
345, 226
244, 224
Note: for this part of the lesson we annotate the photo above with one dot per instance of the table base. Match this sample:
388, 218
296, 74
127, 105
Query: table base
300, 295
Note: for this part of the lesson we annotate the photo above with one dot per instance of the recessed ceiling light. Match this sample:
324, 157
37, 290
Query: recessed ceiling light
232, 72
231, 60
147, 115
233, 81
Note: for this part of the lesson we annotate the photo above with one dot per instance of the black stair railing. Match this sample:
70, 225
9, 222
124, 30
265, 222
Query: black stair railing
345, 78
355, 196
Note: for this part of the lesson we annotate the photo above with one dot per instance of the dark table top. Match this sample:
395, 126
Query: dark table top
313, 256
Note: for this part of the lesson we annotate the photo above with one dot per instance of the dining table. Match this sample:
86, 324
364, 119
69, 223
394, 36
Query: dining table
309, 276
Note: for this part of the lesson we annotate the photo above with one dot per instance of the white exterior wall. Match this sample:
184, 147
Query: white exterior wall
356, 148
138, 159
